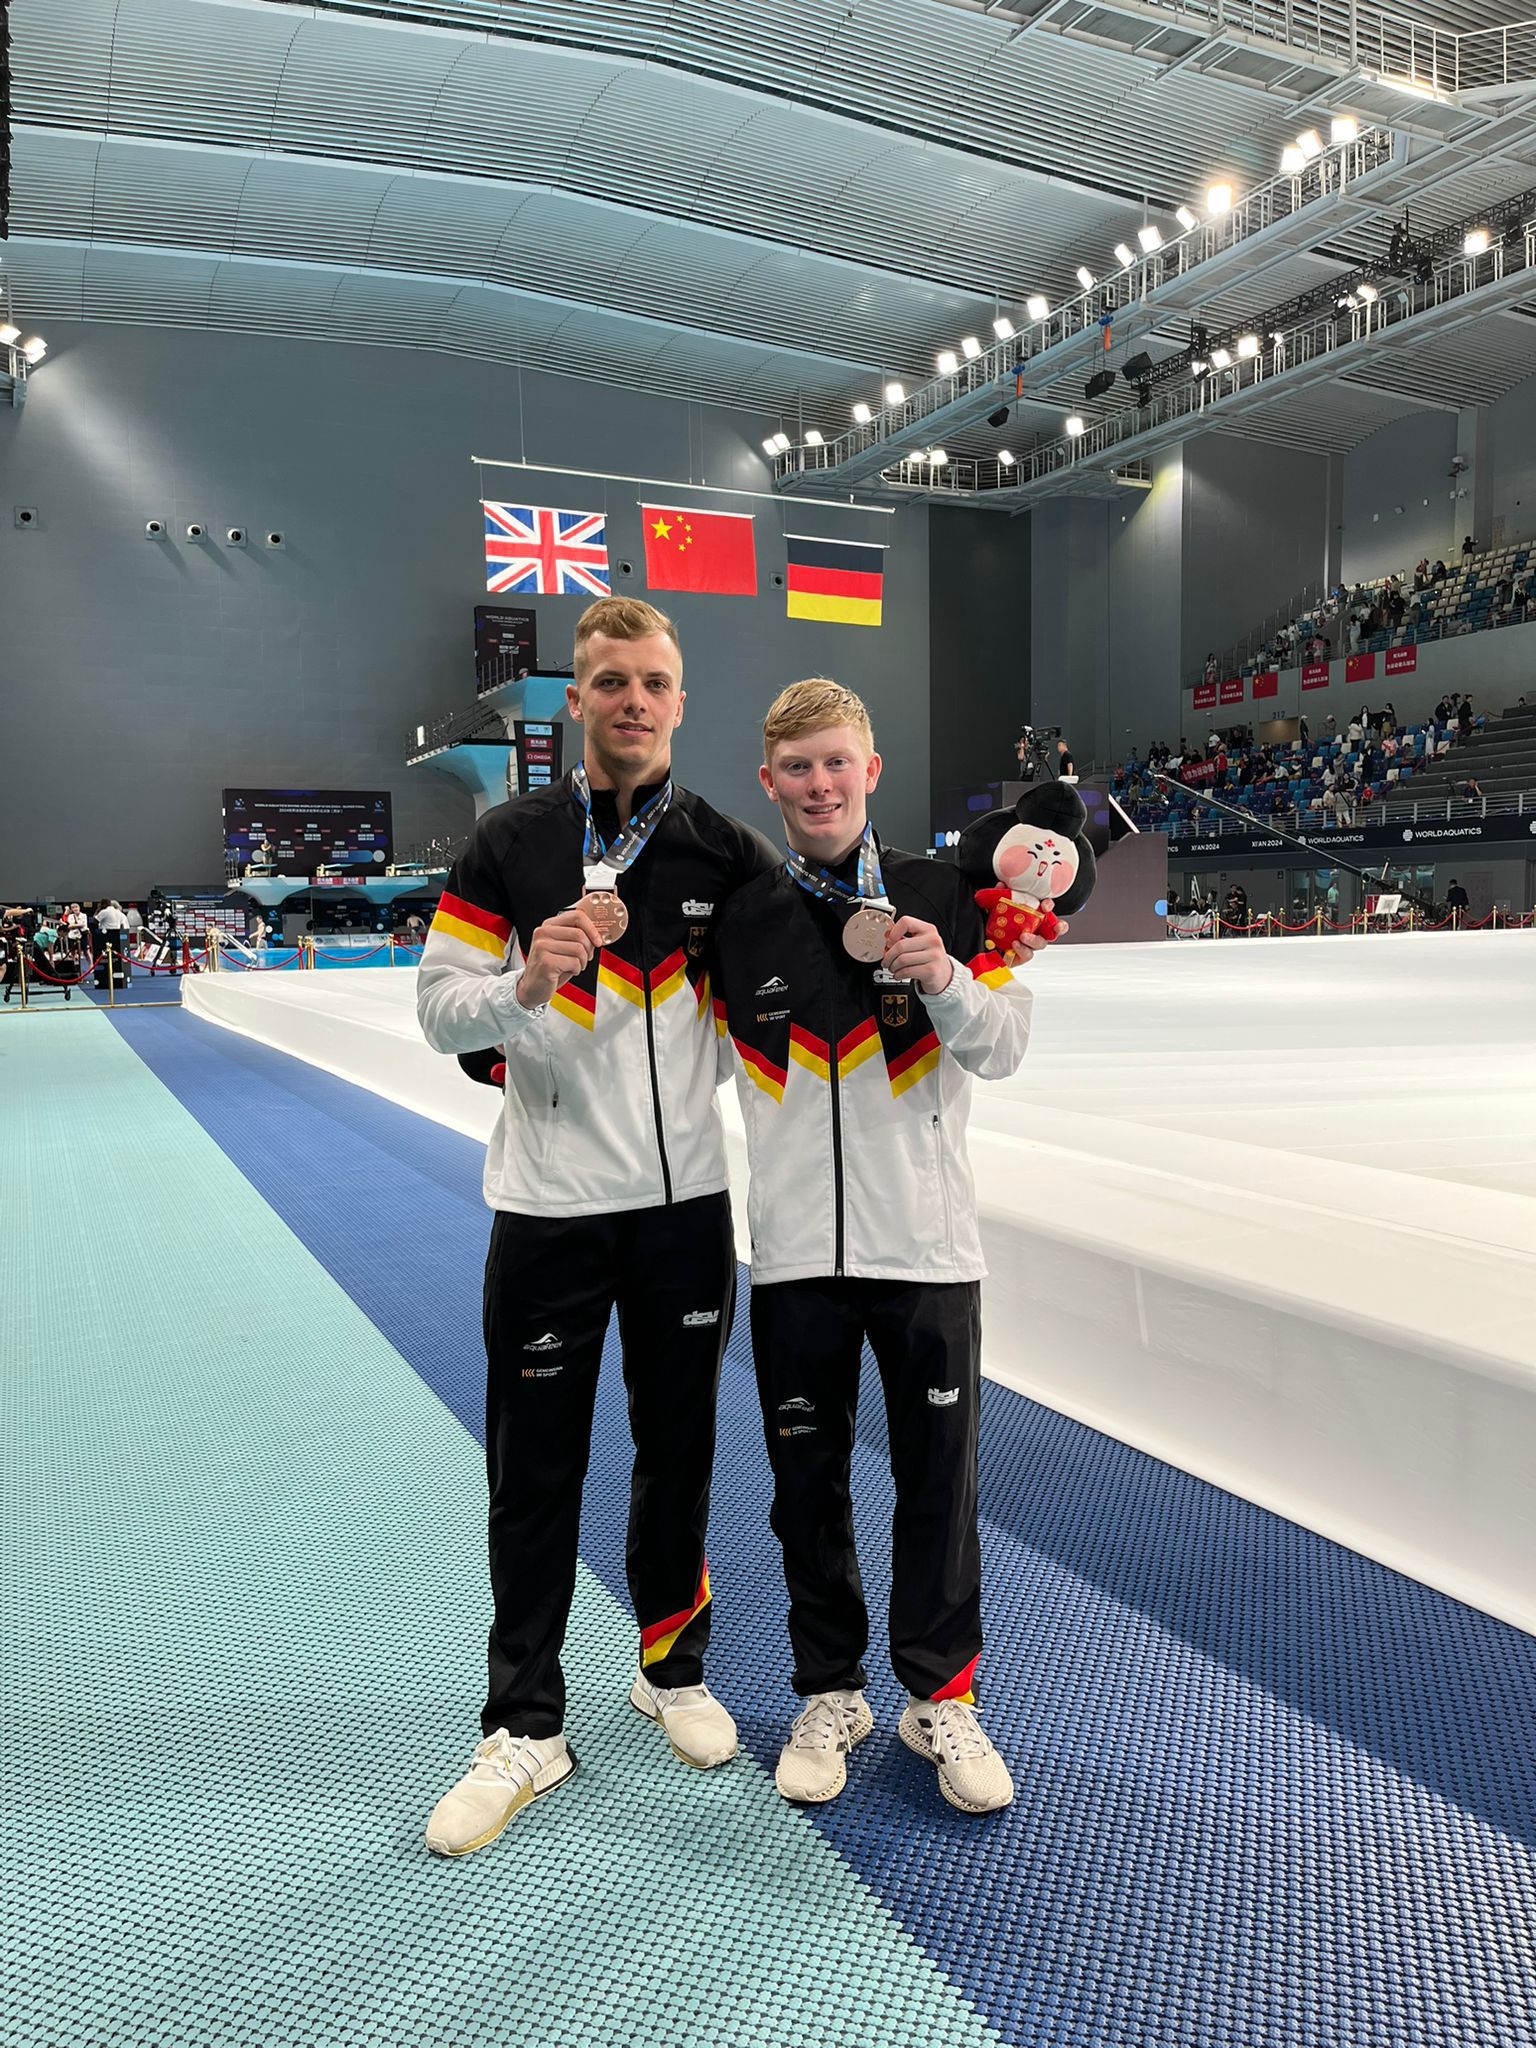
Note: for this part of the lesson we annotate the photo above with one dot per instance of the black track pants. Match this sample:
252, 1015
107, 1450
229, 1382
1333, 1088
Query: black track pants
807, 1336
550, 1285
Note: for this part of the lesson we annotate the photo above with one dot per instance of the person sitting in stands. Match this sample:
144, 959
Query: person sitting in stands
1472, 788
1439, 573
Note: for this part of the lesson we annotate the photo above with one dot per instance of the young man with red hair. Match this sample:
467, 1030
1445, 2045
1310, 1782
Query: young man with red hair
859, 1002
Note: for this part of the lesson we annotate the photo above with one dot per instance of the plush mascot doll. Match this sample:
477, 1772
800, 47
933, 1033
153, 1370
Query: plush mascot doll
1016, 858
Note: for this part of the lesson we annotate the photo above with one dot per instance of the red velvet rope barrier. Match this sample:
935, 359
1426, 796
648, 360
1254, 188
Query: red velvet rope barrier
260, 966
355, 954
65, 981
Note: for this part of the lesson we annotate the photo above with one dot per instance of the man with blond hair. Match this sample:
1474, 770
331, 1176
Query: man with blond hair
573, 935
859, 1001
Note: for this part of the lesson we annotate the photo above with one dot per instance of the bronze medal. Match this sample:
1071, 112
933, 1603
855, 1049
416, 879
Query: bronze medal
865, 932
607, 913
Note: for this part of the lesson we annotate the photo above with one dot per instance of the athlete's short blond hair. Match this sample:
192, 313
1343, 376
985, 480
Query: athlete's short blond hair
810, 707
621, 618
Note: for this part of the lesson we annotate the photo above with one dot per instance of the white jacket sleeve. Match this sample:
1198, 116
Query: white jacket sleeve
983, 1019
466, 985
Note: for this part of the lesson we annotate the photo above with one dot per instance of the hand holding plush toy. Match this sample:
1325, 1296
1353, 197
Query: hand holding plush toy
1037, 851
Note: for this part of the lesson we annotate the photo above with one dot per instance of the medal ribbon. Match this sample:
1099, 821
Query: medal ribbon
602, 865
821, 882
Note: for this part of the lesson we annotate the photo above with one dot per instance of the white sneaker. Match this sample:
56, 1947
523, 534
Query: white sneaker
698, 1729
972, 1776
813, 1764
506, 1773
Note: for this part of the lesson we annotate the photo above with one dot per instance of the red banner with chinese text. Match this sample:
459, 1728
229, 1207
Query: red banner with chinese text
1205, 696
1232, 690
1402, 661
1314, 675
1198, 771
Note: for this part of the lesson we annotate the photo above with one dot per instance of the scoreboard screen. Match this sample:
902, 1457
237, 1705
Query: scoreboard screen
304, 829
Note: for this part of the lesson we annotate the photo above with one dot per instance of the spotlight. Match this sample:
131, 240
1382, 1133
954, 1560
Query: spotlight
1085, 277
936, 456
770, 447
812, 437
1100, 382
1075, 426
1477, 242
1292, 160
35, 349
947, 361
1038, 306
1198, 366
895, 394
998, 418
1185, 218
1345, 128
1310, 143
970, 348
1123, 256
862, 413
1005, 458
1247, 345
1137, 369
1004, 328
781, 441
1218, 198
9, 335
1220, 359
1150, 237
1368, 292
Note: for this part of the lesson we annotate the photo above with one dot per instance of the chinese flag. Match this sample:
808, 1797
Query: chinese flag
707, 551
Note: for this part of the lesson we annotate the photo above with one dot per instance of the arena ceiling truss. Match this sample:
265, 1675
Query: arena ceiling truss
781, 208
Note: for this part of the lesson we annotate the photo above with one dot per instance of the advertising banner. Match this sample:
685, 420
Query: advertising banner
1232, 690
1314, 675
1402, 661
1205, 696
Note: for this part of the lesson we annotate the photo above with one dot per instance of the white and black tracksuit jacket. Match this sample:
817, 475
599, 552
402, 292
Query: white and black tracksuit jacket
855, 1088
610, 1090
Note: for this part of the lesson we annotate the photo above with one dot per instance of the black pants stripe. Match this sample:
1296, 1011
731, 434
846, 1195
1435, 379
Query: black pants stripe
807, 1337
550, 1287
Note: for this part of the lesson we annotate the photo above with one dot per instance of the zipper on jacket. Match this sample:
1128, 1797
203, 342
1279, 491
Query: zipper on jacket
837, 1145
650, 1053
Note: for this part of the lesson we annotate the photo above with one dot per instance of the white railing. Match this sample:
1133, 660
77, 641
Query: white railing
1002, 361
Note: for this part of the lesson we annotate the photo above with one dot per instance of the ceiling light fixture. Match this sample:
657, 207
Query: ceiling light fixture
770, 447
1185, 218
1085, 277
781, 441
1247, 345
1005, 458
970, 348
1477, 242
9, 335
1221, 359
1150, 237
1292, 160
895, 394
1038, 306
1218, 198
1124, 256
35, 349
1075, 425
1345, 128
936, 456
1004, 328
947, 361
812, 437
1310, 143
862, 413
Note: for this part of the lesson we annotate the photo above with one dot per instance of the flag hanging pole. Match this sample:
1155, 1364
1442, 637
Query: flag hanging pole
661, 483
1318, 855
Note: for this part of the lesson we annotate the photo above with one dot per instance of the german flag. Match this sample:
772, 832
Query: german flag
838, 580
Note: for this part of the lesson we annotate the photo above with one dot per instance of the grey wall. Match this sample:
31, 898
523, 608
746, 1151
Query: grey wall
1510, 440
979, 644
1255, 533
1399, 499
142, 678
1146, 553
1069, 621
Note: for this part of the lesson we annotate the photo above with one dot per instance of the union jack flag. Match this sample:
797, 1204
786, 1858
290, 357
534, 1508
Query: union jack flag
540, 552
